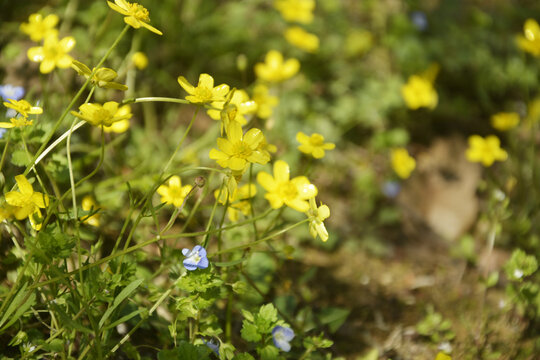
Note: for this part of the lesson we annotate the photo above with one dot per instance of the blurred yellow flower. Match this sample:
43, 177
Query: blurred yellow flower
313, 145
505, 120
239, 149
238, 201
443, 356
103, 77
140, 60
302, 39
316, 216
53, 53
26, 201
533, 112
300, 11
531, 41
402, 163
274, 69
485, 150
265, 102
174, 193
88, 204
103, 115
294, 193
233, 109
16, 122
358, 42
205, 92
6, 211
23, 107
135, 15
419, 92
38, 27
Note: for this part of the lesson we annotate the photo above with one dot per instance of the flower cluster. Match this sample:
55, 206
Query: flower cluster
485, 150
419, 92
23, 108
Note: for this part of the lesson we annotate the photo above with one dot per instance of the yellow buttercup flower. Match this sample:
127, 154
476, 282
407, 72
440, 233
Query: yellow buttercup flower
281, 190
313, 145
531, 41
174, 193
443, 356
239, 149
505, 120
238, 201
121, 125
16, 122
88, 204
265, 102
316, 216
233, 109
135, 15
26, 201
302, 39
23, 107
53, 53
205, 92
402, 163
485, 150
140, 60
103, 77
274, 69
419, 92
103, 115
39, 27
300, 11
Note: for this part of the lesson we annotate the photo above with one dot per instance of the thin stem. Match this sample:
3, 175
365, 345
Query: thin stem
5, 150
155, 99
181, 142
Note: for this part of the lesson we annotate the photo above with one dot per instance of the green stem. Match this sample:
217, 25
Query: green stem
5, 151
180, 143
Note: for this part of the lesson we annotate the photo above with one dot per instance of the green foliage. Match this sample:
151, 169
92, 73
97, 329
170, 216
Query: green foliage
435, 327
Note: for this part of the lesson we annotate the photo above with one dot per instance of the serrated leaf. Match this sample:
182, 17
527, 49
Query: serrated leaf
268, 313
249, 332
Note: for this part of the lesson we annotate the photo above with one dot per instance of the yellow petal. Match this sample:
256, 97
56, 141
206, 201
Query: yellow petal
24, 185
186, 85
67, 43
35, 53
206, 80
281, 171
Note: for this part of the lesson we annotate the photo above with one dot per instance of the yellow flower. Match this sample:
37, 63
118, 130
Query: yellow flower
135, 15
174, 193
103, 77
505, 120
23, 107
402, 163
274, 69
302, 39
103, 115
16, 122
486, 151
88, 204
316, 216
358, 42
419, 92
442, 356
233, 109
531, 41
121, 125
313, 145
140, 60
53, 53
6, 211
38, 27
205, 92
283, 190
265, 102
300, 11
26, 201
238, 149
238, 201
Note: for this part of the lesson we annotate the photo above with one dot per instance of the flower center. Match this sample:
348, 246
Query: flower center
241, 150
139, 12
316, 140
203, 93
195, 256
288, 191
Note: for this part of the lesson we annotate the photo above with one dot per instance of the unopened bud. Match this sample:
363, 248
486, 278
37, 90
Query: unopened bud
200, 181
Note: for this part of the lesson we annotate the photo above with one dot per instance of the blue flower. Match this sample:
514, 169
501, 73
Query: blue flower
281, 336
214, 346
419, 20
196, 258
11, 92
391, 189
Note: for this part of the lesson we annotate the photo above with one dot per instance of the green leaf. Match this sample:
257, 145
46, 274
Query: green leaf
269, 352
66, 320
333, 317
121, 297
243, 356
30, 301
126, 318
19, 158
268, 313
15, 304
249, 332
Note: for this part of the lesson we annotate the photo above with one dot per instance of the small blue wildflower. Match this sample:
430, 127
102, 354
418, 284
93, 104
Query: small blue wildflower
11, 92
196, 258
281, 336
214, 346
2, 132
391, 189
419, 20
